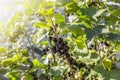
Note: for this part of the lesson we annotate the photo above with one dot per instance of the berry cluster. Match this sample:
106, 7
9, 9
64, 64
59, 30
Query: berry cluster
60, 46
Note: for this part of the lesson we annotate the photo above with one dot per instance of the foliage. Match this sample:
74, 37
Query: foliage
63, 40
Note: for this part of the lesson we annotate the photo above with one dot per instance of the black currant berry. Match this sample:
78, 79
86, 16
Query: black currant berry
66, 50
71, 59
66, 47
60, 40
44, 50
106, 44
55, 39
53, 48
59, 46
50, 38
59, 50
67, 55
62, 44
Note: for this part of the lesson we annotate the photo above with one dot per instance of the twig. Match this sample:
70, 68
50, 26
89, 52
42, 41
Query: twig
99, 54
56, 35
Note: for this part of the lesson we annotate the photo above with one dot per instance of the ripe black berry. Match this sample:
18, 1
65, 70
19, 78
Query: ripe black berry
55, 39
53, 48
60, 40
59, 50
62, 44
50, 38
66, 48
106, 44
67, 55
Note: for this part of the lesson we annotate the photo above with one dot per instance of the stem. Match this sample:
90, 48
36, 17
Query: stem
54, 27
99, 54
101, 60
56, 34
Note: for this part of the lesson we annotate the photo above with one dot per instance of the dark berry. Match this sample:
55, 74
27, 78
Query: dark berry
44, 50
106, 44
62, 44
70, 59
60, 40
55, 39
53, 48
50, 38
67, 55
66, 47
59, 46
58, 50
54, 51
66, 50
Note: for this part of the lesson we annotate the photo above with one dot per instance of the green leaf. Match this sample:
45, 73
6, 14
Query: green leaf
33, 69
58, 78
86, 24
80, 42
114, 74
36, 63
27, 77
13, 75
88, 11
62, 2
113, 36
10, 61
24, 59
76, 29
46, 8
17, 57
7, 62
41, 25
110, 20
108, 64
43, 43
117, 47
72, 7
46, 12
87, 60
94, 32
94, 56
3, 50
116, 12
54, 63
59, 18
101, 72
